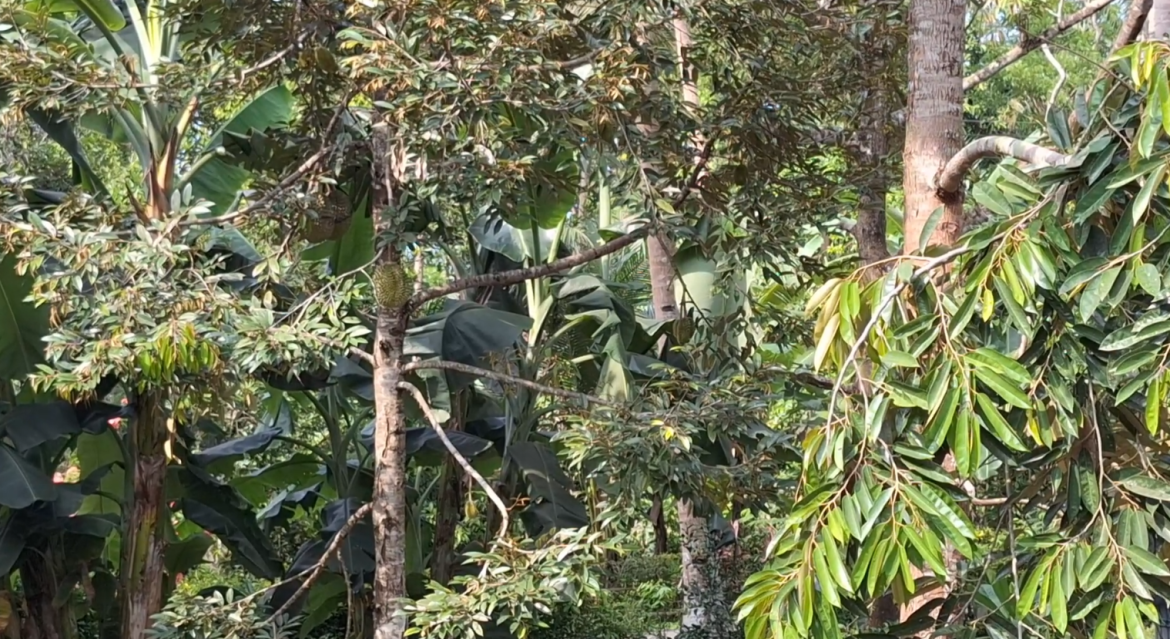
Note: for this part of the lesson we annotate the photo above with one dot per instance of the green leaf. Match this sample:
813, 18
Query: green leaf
1081, 273
997, 424
1126, 337
62, 132
1145, 486
825, 577
1008, 391
22, 325
894, 359
221, 457
835, 563
1149, 278
1058, 601
1154, 396
1145, 561
1095, 292
993, 360
940, 424
219, 181
183, 555
1142, 202
929, 226
547, 483
21, 483
219, 509
105, 11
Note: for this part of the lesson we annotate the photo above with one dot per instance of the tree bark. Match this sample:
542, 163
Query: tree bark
1158, 20
389, 429
658, 521
143, 544
934, 117
934, 135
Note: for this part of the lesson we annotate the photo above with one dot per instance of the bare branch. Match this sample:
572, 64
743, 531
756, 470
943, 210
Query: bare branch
1031, 43
950, 179
315, 572
516, 276
459, 458
504, 379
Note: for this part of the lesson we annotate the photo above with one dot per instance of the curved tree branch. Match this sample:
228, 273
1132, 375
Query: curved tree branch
1031, 43
315, 572
459, 458
950, 179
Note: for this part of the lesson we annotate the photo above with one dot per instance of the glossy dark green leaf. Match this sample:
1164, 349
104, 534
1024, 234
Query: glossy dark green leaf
1126, 337
22, 483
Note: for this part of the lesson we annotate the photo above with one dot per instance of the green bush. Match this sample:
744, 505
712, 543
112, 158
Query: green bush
634, 570
607, 617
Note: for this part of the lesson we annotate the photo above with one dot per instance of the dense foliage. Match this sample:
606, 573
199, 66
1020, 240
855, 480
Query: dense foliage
325, 320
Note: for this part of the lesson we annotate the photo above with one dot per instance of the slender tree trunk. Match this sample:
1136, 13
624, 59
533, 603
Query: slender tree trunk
450, 499
658, 520
704, 607
143, 544
934, 133
390, 428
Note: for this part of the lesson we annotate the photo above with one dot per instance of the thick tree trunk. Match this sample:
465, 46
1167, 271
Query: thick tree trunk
390, 428
143, 545
934, 117
1158, 20
934, 134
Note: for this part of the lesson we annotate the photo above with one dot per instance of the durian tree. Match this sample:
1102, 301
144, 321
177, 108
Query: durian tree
1029, 353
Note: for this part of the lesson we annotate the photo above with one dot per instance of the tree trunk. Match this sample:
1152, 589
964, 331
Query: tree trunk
390, 428
450, 499
658, 521
934, 117
143, 544
38, 580
934, 133
1158, 20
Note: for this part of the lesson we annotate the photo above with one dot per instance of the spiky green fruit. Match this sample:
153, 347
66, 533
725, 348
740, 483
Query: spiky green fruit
391, 286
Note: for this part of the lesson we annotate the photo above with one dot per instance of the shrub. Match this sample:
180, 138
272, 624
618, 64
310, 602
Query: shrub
217, 616
605, 617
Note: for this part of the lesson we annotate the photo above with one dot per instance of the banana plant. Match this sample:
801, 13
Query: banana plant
186, 172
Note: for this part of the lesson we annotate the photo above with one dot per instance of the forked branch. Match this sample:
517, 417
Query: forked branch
950, 179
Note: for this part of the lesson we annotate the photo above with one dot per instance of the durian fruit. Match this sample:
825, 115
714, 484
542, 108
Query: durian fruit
391, 286
329, 215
